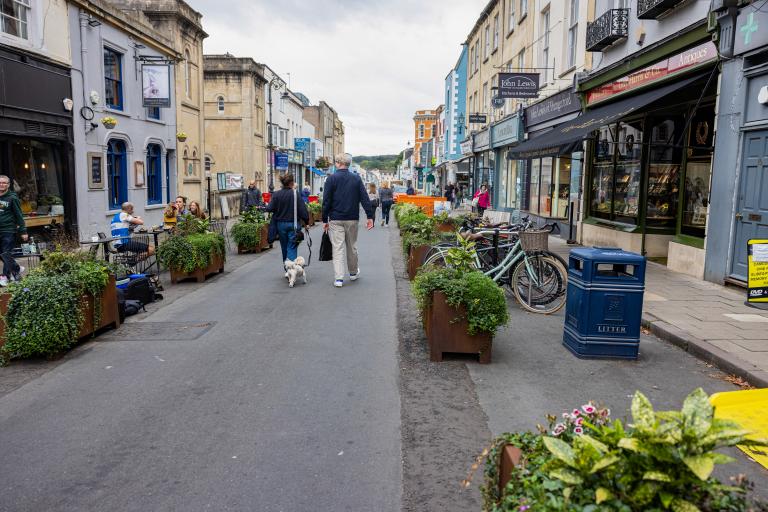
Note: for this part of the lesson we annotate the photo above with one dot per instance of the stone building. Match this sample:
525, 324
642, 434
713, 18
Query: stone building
328, 127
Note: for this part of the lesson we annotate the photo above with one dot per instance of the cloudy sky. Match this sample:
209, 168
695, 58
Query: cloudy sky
375, 61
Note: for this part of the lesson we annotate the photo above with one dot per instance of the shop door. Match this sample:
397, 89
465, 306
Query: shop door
752, 205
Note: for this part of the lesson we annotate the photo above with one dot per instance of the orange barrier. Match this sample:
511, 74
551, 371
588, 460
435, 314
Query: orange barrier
426, 203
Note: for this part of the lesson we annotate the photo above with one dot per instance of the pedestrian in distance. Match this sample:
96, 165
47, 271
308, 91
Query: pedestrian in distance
373, 197
196, 211
449, 193
281, 206
305, 193
251, 197
11, 224
482, 199
410, 191
387, 199
344, 194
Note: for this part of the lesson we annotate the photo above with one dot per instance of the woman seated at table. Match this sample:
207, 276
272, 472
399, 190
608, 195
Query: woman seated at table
121, 232
196, 211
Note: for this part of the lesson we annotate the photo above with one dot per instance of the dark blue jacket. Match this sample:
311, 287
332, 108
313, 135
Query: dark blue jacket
343, 194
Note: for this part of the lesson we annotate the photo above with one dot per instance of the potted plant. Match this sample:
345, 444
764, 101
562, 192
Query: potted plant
662, 460
445, 223
323, 162
109, 122
247, 232
193, 251
181, 136
315, 212
418, 236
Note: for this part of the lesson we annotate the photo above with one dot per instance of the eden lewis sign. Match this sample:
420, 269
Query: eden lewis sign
518, 85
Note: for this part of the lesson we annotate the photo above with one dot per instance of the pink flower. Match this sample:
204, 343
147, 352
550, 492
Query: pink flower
589, 408
578, 431
559, 429
575, 413
566, 415
524, 507
579, 421
605, 412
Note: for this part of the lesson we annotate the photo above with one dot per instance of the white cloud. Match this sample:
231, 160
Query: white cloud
376, 62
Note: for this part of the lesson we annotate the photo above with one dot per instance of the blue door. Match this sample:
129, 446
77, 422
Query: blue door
117, 174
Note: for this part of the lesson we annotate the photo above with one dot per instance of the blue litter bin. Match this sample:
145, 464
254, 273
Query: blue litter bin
605, 303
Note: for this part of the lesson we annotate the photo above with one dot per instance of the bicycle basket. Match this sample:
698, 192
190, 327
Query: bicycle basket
534, 240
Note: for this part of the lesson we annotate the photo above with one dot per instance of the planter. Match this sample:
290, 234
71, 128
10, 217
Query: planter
448, 332
510, 457
181, 139
215, 267
5, 298
415, 258
446, 227
241, 249
264, 237
109, 313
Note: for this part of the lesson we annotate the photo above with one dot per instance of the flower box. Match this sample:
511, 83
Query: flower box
448, 332
265, 237
446, 227
510, 457
215, 267
109, 313
241, 249
416, 256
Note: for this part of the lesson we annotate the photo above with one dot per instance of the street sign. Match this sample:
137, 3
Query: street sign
281, 161
757, 262
497, 102
477, 118
518, 85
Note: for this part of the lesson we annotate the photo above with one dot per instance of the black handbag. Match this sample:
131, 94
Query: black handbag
272, 234
298, 233
326, 249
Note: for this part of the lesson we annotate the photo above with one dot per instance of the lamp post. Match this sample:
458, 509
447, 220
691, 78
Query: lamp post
210, 204
275, 83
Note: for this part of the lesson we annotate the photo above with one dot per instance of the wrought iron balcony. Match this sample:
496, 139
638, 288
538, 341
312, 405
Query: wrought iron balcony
607, 29
651, 9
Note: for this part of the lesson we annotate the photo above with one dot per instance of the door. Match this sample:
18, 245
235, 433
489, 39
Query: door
752, 205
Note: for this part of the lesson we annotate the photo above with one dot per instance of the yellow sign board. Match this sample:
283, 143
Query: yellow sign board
757, 258
747, 408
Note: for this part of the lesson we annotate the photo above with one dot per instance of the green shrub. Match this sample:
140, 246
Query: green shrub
189, 253
246, 234
420, 230
188, 224
315, 208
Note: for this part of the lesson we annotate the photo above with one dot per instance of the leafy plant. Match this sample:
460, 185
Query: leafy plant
253, 215
246, 234
188, 224
323, 162
315, 208
462, 257
189, 253
420, 230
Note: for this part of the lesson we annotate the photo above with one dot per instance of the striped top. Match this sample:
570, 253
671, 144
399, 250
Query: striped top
121, 224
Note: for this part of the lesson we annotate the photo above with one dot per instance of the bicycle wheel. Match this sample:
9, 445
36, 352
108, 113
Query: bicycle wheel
435, 259
437, 250
540, 285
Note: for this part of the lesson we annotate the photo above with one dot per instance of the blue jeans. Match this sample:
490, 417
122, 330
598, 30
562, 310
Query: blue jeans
7, 243
287, 239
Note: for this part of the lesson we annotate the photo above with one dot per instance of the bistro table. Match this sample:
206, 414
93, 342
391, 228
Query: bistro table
103, 242
153, 267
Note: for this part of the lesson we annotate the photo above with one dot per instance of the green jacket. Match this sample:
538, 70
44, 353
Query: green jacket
11, 218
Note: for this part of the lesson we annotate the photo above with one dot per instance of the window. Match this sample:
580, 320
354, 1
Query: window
153, 113
487, 50
14, 16
486, 99
472, 61
220, 104
283, 138
573, 33
511, 17
421, 131
496, 32
117, 173
187, 78
113, 79
523, 9
521, 60
36, 172
154, 174
208, 164
477, 55
545, 46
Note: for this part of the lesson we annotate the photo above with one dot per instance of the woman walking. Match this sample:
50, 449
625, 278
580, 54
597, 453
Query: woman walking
373, 197
387, 198
483, 199
281, 206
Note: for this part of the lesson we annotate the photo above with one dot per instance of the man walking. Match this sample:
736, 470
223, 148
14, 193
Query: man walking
251, 197
11, 223
343, 195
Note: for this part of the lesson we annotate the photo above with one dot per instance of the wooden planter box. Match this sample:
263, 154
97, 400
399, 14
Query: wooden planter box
215, 267
446, 227
510, 457
241, 249
264, 237
415, 257
448, 332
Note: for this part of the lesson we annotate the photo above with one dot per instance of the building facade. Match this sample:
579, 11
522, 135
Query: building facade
36, 114
328, 127
131, 159
424, 122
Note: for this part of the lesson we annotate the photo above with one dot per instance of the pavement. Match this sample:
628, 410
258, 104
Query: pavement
708, 320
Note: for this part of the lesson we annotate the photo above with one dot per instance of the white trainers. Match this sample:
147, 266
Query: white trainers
353, 277
3, 281
338, 283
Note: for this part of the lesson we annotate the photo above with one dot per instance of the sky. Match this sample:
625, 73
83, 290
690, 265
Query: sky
375, 61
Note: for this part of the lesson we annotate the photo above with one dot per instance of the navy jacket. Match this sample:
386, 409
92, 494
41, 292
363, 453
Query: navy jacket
343, 194
281, 207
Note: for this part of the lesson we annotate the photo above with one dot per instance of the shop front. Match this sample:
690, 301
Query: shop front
296, 167
35, 141
484, 170
508, 189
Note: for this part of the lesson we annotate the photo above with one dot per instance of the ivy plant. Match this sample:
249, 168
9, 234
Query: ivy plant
189, 253
246, 234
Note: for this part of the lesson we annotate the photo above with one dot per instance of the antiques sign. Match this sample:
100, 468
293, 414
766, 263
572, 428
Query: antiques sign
518, 85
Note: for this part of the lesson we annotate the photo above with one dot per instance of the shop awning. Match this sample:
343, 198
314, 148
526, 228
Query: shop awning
567, 137
317, 171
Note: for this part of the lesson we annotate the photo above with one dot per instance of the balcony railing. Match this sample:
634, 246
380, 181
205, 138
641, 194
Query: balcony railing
651, 9
607, 29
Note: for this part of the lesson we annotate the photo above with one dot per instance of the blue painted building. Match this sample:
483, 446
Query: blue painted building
455, 107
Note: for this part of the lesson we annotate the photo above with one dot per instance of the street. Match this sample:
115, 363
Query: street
198, 406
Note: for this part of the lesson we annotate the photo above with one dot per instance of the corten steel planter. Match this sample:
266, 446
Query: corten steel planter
264, 237
446, 227
215, 267
5, 298
510, 457
109, 313
241, 249
415, 258
448, 328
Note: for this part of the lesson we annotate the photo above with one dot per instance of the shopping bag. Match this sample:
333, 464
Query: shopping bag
326, 249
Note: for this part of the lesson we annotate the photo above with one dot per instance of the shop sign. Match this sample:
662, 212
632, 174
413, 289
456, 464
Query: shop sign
482, 140
757, 262
506, 132
301, 144
518, 85
466, 147
281, 161
156, 85
477, 118
751, 30
687, 60
555, 106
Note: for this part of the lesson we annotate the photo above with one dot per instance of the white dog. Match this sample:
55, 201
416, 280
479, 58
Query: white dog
294, 269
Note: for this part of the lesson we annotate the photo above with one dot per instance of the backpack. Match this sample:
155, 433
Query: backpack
141, 290
132, 307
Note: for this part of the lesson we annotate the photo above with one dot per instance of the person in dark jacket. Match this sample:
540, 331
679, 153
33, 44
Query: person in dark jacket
281, 207
305, 193
410, 191
344, 194
387, 198
251, 197
11, 224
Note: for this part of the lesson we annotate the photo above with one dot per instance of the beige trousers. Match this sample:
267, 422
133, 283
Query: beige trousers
343, 235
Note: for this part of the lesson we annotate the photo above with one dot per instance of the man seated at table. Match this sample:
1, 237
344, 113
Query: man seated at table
121, 232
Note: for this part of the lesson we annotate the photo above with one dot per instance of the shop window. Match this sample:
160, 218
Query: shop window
154, 174
36, 173
561, 188
602, 173
14, 18
533, 203
698, 171
629, 150
665, 157
113, 79
117, 173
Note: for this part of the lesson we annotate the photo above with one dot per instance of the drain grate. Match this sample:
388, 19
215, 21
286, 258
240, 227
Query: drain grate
160, 331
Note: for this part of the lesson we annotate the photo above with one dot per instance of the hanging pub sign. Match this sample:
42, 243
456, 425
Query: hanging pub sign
757, 262
477, 118
156, 85
518, 85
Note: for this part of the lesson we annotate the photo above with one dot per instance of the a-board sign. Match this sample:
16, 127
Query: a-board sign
757, 275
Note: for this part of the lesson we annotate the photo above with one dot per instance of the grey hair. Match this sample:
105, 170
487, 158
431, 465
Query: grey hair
3, 176
126, 205
343, 159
